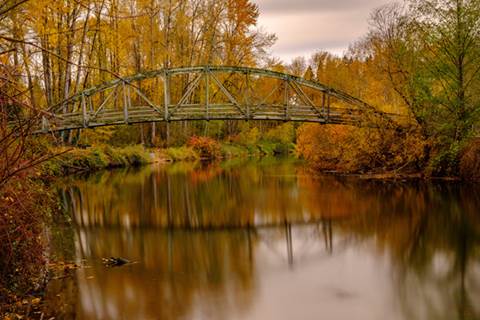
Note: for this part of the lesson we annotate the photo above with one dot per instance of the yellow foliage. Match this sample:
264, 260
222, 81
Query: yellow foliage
248, 136
284, 133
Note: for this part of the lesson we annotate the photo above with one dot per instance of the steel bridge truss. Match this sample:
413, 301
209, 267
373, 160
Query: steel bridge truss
206, 93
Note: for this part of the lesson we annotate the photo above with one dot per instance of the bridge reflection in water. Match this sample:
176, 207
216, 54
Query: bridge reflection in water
268, 241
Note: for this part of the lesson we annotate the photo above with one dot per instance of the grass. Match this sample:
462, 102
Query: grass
230, 150
183, 153
106, 157
96, 158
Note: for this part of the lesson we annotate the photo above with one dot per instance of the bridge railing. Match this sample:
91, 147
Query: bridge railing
209, 93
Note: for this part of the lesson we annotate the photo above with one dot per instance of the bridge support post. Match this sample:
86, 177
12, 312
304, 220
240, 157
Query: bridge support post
328, 107
166, 93
44, 124
84, 112
247, 94
287, 97
126, 102
323, 106
207, 92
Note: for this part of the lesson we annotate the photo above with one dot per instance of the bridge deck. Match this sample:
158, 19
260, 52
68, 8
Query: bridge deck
142, 114
208, 93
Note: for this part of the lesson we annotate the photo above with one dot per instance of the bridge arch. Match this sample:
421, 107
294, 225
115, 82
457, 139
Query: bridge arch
207, 93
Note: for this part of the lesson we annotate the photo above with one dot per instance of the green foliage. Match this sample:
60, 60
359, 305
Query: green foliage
284, 133
445, 161
429, 51
278, 140
133, 155
183, 153
100, 135
248, 136
275, 148
124, 136
93, 159
230, 150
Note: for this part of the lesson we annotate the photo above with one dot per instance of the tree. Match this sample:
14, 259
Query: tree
430, 52
450, 31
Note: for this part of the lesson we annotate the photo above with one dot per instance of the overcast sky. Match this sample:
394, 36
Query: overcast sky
305, 26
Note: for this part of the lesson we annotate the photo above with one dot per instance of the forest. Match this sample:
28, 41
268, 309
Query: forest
420, 59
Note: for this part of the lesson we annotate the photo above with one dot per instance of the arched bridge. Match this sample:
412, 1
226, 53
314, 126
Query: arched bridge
208, 93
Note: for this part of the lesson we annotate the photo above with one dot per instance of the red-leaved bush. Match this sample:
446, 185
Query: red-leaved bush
207, 148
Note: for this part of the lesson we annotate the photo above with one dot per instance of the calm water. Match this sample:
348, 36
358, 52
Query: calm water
266, 240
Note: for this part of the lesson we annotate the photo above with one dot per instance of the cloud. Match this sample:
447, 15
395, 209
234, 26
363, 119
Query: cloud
294, 6
306, 26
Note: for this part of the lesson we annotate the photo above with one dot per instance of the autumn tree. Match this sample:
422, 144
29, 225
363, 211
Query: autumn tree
430, 51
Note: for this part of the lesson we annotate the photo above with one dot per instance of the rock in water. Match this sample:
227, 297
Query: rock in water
115, 261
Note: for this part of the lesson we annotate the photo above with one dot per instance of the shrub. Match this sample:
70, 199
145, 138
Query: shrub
469, 165
181, 153
95, 159
248, 137
359, 149
134, 155
205, 147
233, 150
284, 134
24, 208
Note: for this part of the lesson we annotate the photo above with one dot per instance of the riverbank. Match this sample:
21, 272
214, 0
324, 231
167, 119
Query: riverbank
385, 154
211, 150
27, 208
75, 160
78, 160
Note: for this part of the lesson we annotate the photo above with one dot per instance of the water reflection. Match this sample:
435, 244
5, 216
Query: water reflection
267, 240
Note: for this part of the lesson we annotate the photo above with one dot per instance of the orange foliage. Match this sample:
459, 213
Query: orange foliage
353, 149
470, 161
207, 148
320, 145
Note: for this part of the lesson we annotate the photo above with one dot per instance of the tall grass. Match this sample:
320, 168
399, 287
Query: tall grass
94, 159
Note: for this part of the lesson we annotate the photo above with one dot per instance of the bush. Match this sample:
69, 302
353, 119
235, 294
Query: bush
95, 159
469, 166
282, 134
445, 160
248, 137
24, 209
353, 149
232, 151
134, 155
181, 153
205, 147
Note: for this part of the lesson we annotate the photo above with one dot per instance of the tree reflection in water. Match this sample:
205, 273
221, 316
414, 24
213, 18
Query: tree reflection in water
205, 236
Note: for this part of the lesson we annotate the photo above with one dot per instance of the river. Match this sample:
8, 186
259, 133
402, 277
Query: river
265, 239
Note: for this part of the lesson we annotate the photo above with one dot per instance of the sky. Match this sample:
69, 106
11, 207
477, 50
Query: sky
305, 26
